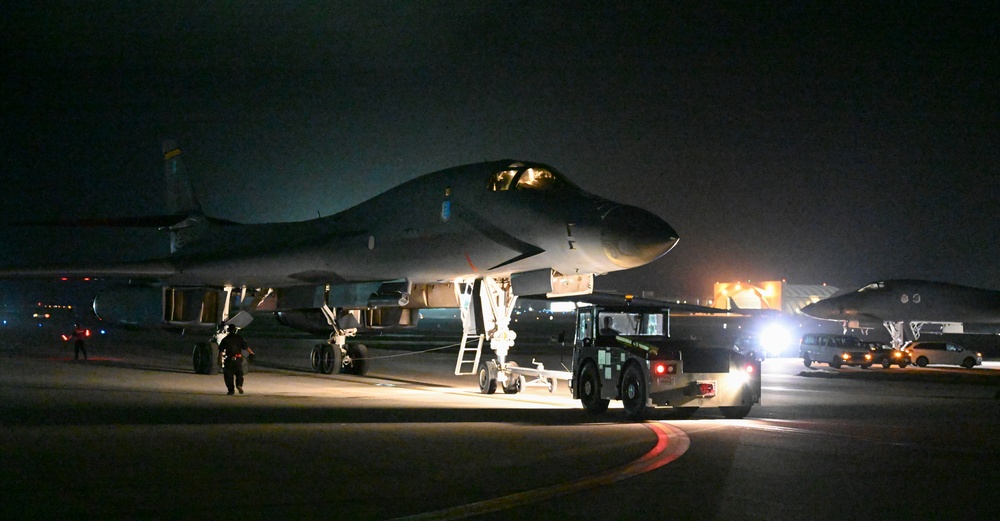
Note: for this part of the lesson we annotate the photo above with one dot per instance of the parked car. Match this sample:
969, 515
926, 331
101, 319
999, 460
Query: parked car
749, 346
836, 350
947, 353
884, 354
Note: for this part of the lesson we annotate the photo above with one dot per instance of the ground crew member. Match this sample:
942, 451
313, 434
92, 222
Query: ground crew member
79, 334
231, 358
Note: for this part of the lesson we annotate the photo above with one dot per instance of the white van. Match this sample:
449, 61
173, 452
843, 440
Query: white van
923, 353
836, 350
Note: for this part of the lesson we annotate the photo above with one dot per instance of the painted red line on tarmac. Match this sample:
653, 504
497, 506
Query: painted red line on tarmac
671, 443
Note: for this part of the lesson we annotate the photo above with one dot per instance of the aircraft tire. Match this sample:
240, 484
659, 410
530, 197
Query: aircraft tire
590, 390
314, 357
515, 382
736, 412
202, 359
968, 363
487, 373
358, 365
922, 361
634, 393
331, 359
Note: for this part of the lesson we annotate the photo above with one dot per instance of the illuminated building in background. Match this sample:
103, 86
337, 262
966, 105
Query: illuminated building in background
775, 295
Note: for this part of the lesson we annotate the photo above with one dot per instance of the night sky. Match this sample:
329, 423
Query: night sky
782, 142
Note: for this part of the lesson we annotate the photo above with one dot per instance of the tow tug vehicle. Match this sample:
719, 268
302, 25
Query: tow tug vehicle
624, 352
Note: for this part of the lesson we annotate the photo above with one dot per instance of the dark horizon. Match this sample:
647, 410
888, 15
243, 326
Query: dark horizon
811, 145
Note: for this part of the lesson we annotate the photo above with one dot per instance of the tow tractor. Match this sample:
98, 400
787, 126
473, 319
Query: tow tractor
624, 352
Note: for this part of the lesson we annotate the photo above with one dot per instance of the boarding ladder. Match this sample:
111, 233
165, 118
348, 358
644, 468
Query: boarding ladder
468, 330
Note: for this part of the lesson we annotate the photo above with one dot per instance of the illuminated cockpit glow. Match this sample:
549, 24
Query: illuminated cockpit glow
519, 176
873, 286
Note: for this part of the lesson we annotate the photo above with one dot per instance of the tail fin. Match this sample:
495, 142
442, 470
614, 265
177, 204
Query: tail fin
190, 223
181, 199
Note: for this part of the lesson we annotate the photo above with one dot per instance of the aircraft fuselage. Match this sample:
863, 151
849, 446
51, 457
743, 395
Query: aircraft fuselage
911, 301
445, 225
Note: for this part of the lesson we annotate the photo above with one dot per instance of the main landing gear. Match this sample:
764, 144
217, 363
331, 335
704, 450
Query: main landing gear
345, 359
336, 355
204, 356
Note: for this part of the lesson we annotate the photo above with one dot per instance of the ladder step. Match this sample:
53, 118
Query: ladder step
463, 358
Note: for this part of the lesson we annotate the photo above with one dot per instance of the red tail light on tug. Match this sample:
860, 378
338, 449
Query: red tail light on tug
663, 368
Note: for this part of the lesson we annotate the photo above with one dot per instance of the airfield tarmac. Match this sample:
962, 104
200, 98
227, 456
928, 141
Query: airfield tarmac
132, 433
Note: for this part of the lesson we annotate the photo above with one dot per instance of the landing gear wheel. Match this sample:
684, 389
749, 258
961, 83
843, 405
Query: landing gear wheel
968, 363
922, 361
737, 412
634, 393
590, 390
357, 360
315, 356
515, 382
331, 359
487, 373
806, 361
202, 359
886, 363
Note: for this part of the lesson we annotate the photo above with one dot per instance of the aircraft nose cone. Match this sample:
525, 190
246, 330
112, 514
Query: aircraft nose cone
820, 310
632, 236
811, 310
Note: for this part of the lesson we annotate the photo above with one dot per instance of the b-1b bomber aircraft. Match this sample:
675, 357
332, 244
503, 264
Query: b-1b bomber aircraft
473, 237
920, 303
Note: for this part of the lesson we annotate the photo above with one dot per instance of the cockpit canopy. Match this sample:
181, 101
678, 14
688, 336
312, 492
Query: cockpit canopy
519, 176
874, 286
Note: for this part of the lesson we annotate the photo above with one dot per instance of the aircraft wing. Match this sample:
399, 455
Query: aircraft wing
147, 270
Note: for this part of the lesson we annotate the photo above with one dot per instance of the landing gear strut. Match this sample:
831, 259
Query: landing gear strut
205, 354
336, 356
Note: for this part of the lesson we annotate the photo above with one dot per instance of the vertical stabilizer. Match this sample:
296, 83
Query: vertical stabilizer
181, 199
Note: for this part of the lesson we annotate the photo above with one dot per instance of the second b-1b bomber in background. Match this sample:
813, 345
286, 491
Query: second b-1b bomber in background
473, 237
918, 304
